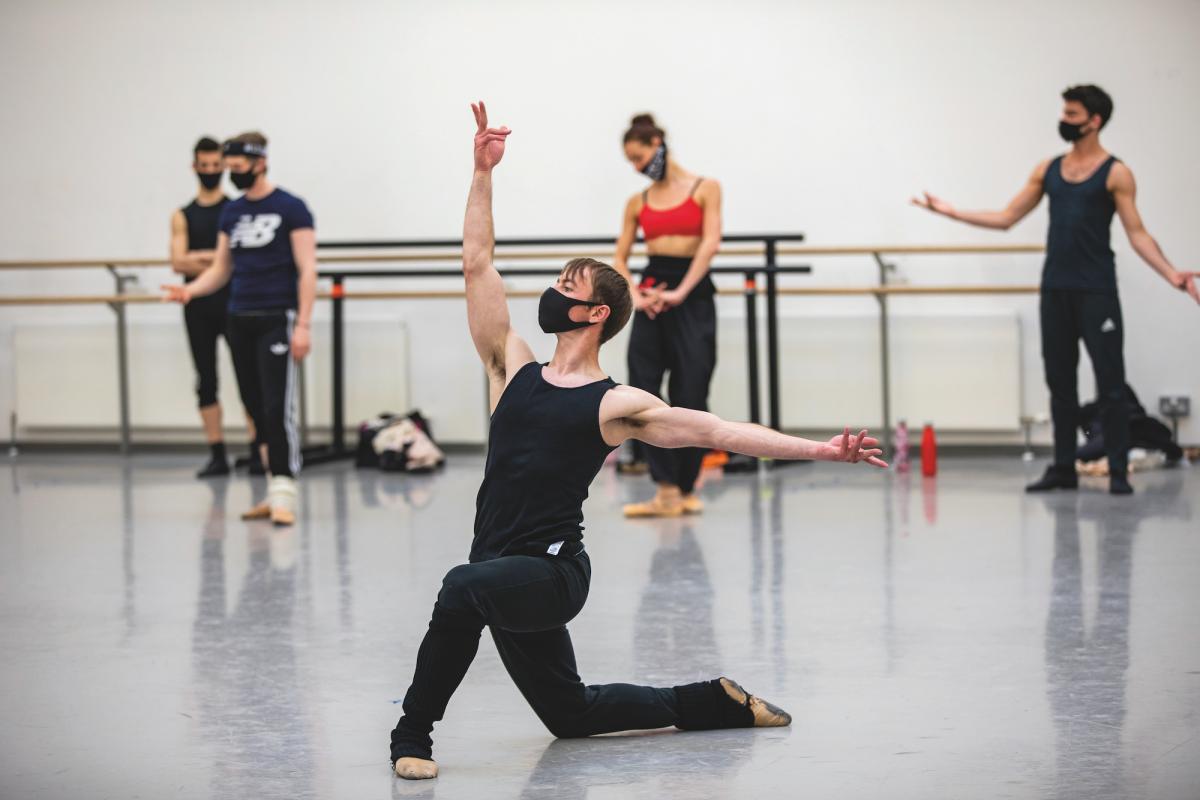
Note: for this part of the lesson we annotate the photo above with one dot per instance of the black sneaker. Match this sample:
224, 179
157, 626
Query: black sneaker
1118, 483
1054, 478
215, 468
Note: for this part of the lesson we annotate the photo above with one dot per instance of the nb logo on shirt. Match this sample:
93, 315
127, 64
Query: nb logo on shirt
255, 231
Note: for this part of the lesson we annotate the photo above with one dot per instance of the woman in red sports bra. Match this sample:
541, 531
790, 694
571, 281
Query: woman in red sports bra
675, 320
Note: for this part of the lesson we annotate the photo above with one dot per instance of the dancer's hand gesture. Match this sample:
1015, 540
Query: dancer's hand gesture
489, 142
853, 449
175, 293
935, 204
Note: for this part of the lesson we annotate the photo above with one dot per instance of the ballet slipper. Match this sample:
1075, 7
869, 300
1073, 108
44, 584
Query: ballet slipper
766, 715
415, 769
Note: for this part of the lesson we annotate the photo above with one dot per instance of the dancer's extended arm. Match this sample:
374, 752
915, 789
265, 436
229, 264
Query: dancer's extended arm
1017, 209
629, 413
500, 349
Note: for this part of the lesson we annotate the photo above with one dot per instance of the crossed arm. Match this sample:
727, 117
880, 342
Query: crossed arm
208, 280
183, 261
629, 413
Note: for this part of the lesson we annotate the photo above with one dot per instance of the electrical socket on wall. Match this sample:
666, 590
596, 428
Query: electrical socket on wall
1174, 405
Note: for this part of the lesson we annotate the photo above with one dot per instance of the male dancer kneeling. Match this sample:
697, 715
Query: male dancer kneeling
552, 427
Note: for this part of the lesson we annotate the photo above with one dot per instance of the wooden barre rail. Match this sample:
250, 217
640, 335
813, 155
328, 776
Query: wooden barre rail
502, 255
866, 291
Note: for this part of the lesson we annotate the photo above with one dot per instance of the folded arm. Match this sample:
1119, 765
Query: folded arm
184, 261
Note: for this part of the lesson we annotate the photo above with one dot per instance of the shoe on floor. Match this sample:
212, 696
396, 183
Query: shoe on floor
692, 504
281, 497
1054, 478
415, 769
766, 715
255, 465
215, 467
654, 507
260, 511
1118, 483
282, 516
632, 468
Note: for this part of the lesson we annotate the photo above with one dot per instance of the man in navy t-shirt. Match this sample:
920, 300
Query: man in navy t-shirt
266, 252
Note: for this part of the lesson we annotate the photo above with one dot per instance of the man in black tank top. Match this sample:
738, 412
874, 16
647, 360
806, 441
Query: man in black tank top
552, 427
193, 240
1079, 282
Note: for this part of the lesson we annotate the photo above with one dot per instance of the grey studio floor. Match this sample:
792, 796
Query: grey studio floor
945, 638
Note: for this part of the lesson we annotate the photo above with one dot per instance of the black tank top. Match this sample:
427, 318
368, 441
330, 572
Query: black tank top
202, 235
1078, 249
544, 450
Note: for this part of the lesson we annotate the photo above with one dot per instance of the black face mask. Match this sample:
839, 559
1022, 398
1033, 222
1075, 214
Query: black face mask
243, 180
656, 167
209, 180
1069, 132
554, 312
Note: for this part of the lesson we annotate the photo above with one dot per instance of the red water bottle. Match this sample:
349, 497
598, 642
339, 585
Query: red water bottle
928, 452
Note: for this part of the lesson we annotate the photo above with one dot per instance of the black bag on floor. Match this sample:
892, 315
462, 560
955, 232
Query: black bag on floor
1145, 431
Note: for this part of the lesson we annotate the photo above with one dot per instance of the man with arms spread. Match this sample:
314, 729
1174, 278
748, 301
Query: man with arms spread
1079, 279
552, 427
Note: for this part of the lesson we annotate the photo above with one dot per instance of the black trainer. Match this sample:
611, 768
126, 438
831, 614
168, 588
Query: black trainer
1118, 483
1054, 478
215, 468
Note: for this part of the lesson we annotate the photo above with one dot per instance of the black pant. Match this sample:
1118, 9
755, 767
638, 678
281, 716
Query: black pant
206, 321
527, 601
683, 343
266, 375
1067, 316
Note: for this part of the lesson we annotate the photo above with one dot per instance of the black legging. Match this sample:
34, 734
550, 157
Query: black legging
266, 375
1066, 317
206, 321
681, 343
527, 601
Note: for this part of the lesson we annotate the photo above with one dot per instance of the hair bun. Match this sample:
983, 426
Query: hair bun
644, 119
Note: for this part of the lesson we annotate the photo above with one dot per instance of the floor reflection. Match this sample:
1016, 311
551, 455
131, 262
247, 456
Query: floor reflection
250, 708
1086, 670
669, 763
673, 637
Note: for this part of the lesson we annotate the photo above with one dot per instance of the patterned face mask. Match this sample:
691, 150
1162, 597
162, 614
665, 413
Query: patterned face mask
656, 167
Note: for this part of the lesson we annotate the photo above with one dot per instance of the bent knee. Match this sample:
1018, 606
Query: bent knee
457, 588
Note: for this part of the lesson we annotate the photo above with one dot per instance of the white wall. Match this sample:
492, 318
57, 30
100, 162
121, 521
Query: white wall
816, 116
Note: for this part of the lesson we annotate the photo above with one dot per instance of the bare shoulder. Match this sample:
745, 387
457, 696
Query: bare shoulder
622, 402
1039, 172
177, 219
633, 205
1120, 176
709, 191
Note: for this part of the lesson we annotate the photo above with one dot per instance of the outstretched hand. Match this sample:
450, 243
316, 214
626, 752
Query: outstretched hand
935, 204
853, 449
489, 142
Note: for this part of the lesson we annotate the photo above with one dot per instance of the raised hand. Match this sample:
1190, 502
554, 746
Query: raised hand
935, 204
853, 449
489, 142
175, 293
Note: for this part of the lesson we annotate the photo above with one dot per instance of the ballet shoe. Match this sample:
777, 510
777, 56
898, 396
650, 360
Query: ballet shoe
766, 715
654, 507
692, 504
282, 516
415, 769
260, 511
